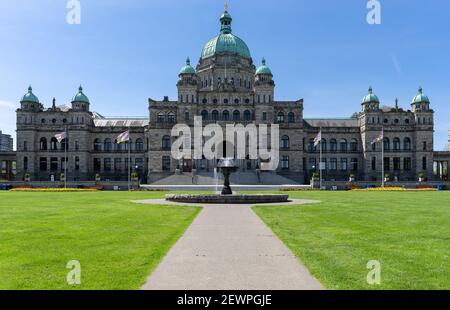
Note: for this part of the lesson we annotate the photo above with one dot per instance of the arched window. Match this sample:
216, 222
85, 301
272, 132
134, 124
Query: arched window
53, 144
236, 116
64, 144
333, 145
118, 146
353, 145
247, 116
396, 144
166, 143
324, 145
43, 144
171, 118
280, 117
311, 147
107, 145
291, 117
285, 142
386, 144
139, 145
343, 145
226, 115
97, 145
160, 118
407, 144
204, 115
215, 115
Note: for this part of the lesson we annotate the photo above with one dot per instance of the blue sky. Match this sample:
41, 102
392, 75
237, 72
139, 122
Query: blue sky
323, 51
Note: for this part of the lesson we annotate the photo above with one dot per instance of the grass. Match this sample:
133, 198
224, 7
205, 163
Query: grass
409, 233
117, 243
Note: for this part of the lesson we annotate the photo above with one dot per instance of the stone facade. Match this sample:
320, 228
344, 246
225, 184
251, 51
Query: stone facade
225, 88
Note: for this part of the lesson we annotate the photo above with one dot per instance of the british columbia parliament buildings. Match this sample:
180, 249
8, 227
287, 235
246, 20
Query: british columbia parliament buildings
225, 87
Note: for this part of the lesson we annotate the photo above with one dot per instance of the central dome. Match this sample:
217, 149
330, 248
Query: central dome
225, 42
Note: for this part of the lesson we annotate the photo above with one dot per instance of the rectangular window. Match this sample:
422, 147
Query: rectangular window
407, 164
97, 164
53, 164
77, 163
333, 164
424, 145
396, 164
304, 163
285, 162
312, 164
63, 163
118, 164
43, 164
387, 164
354, 164
424, 163
344, 164
264, 116
107, 164
166, 163
374, 163
139, 163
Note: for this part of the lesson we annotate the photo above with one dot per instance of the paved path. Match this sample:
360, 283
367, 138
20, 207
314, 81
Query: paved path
230, 248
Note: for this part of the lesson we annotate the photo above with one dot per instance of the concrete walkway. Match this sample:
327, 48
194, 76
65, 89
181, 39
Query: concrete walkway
230, 248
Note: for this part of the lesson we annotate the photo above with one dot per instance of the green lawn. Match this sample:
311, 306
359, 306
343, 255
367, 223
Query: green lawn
117, 243
409, 233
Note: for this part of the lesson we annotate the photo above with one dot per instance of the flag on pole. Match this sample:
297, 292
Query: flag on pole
123, 137
60, 136
318, 138
378, 138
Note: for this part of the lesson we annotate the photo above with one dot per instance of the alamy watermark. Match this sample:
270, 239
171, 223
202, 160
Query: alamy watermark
374, 275
73, 16
238, 142
374, 14
74, 275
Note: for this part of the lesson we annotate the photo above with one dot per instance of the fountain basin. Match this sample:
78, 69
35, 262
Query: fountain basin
227, 199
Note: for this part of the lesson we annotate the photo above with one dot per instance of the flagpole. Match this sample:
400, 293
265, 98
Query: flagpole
320, 160
382, 157
129, 157
65, 160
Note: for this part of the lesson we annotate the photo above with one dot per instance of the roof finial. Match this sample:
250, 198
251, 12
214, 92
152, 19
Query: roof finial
54, 103
370, 90
30, 89
264, 61
80, 89
188, 61
226, 6
396, 103
420, 90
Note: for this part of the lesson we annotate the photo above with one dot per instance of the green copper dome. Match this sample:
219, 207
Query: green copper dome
264, 69
225, 42
187, 69
371, 97
80, 96
420, 97
30, 97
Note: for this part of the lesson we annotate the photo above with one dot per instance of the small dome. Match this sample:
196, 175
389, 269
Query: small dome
80, 96
371, 97
30, 97
263, 69
187, 69
420, 97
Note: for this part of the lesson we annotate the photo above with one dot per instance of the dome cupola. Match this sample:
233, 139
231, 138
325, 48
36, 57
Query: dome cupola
225, 42
187, 69
420, 97
29, 96
370, 97
263, 69
80, 96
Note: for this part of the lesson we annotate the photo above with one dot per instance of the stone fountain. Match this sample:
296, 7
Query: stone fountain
227, 166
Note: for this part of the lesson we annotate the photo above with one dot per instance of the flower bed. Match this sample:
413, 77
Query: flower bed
395, 189
29, 189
